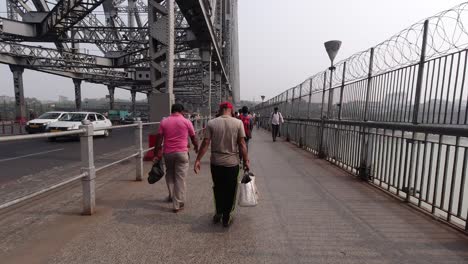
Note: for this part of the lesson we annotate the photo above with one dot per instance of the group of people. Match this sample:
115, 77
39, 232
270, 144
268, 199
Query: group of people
228, 137
228, 134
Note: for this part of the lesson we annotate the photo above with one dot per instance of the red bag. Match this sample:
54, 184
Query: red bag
246, 121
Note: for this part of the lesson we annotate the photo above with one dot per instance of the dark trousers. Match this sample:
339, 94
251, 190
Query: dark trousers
224, 188
274, 131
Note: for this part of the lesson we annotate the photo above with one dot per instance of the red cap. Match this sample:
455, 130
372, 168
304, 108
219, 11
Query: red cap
226, 105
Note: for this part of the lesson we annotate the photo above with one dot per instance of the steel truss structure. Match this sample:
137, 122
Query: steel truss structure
125, 44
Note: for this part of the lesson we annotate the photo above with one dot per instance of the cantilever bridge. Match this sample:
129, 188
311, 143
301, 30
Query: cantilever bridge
187, 49
371, 165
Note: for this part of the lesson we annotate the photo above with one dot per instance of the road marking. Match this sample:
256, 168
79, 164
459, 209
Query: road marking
29, 155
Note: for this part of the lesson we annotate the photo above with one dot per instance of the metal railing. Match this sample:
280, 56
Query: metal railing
424, 165
396, 115
11, 128
88, 169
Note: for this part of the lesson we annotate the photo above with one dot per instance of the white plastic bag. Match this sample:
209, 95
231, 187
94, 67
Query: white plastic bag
254, 186
247, 194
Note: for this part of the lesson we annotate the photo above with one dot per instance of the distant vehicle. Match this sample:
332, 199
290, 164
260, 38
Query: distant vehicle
117, 116
39, 124
72, 121
131, 118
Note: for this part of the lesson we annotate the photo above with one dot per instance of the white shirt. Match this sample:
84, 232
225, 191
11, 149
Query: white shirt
276, 118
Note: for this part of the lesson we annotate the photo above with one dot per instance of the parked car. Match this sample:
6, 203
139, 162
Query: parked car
39, 124
72, 121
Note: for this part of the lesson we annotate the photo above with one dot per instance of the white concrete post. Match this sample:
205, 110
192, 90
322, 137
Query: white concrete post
87, 167
139, 150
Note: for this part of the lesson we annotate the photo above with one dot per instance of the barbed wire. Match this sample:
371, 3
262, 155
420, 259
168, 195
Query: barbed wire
447, 33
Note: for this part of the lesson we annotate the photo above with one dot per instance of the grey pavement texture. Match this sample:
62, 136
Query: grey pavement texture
309, 212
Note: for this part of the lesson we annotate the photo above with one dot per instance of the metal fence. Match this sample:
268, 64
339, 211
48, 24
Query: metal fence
88, 169
395, 115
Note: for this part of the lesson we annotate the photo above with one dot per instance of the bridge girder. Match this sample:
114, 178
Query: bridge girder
124, 48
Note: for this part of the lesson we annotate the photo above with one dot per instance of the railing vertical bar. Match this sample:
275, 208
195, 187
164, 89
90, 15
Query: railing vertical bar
453, 178
402, 141
423, 170
462, 88
403, 86
383, 157
426, 91
455, 89
417, 97
444, 177
436, 179
87, 163
343, 80
416, 169
442, 91
462, 183
429, 173
139, 150
389, 176
430, 89
406, 179
436, 91
448, 89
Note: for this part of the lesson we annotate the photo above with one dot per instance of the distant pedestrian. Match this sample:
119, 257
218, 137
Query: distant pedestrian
276, 121
227, 138
247, 121
174, 131
257, 120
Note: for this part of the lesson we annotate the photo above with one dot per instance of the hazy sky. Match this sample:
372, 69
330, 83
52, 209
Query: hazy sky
281, 42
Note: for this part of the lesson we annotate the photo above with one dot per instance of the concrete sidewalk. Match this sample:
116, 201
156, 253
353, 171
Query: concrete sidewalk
309, 212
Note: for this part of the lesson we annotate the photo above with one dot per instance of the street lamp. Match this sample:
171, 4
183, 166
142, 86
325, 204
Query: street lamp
332, 47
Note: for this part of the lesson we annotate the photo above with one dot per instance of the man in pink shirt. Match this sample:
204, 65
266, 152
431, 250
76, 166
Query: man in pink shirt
174, 131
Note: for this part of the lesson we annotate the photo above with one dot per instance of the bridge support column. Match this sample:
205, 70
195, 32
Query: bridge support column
77, 83
20, 106
161, 23
111, 97
160, 106
133, 93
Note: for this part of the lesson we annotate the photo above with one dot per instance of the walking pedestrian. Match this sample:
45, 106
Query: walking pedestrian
227, 138
276, 121
174, 131
247, 121
257, 120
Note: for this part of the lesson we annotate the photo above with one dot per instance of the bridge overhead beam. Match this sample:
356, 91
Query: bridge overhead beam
66, 14
20, 106
197, 14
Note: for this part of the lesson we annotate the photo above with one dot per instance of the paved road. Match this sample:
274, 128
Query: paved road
21, 158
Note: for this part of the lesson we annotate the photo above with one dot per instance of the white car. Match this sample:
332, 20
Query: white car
72, 121
39, 124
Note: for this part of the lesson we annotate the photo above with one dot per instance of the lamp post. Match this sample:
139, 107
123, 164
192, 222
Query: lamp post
332, 47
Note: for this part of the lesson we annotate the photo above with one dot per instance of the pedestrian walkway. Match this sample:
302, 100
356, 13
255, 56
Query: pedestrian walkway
309, 212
